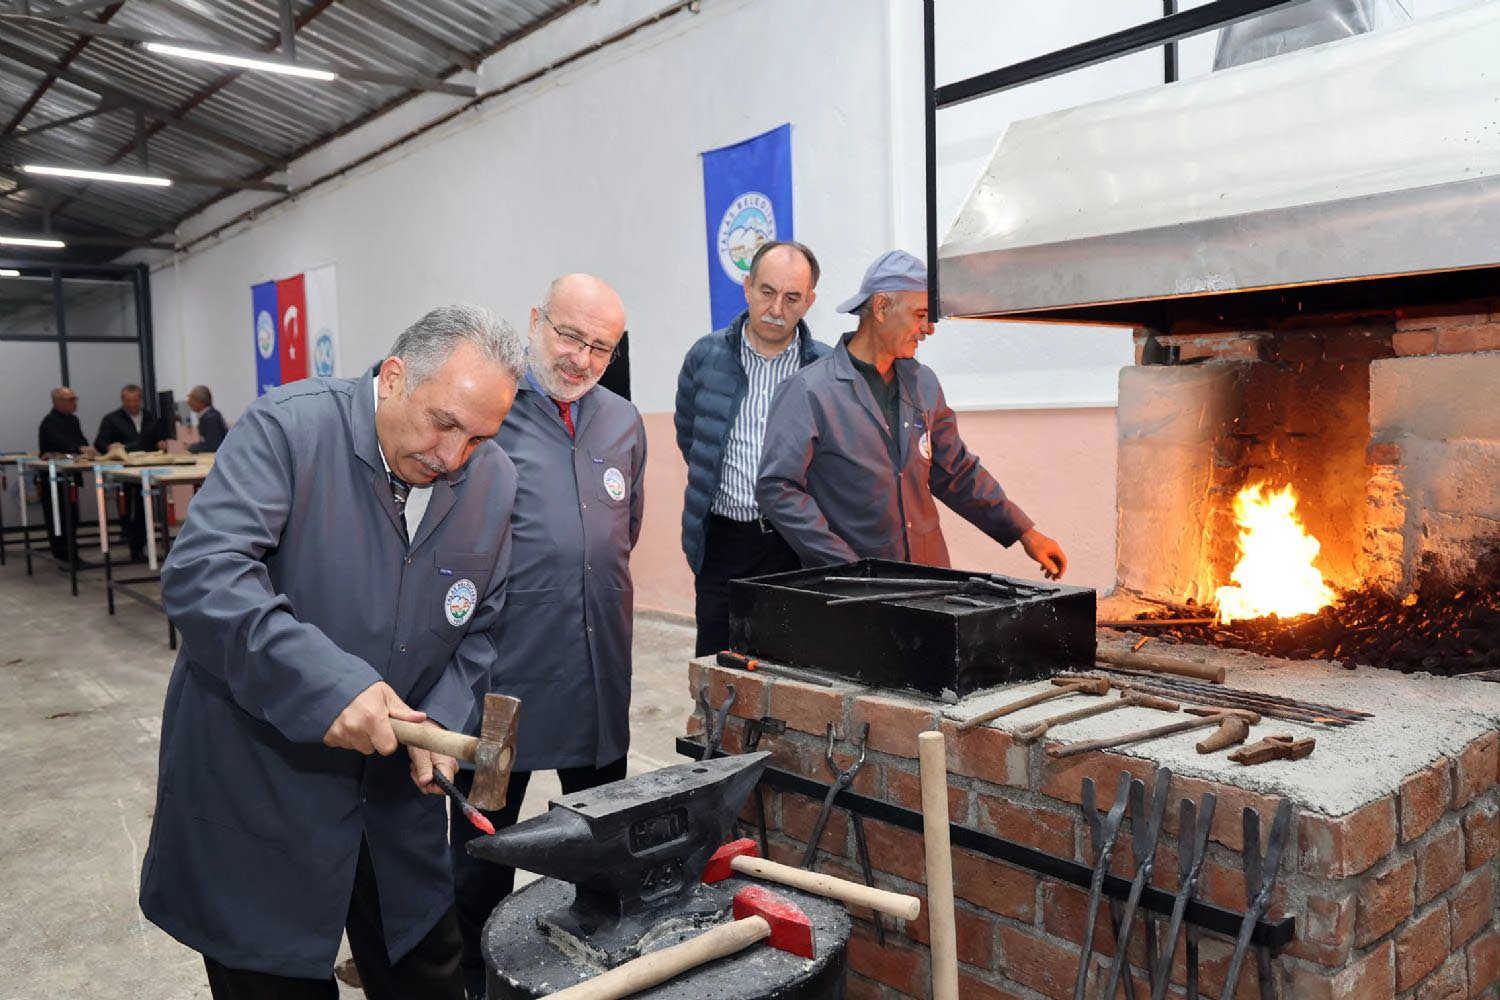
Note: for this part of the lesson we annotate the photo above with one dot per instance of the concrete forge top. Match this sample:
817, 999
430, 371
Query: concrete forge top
1418, 719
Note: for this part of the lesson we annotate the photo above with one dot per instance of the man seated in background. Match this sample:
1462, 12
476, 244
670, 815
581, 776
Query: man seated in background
133, 428
211, 426
60, 434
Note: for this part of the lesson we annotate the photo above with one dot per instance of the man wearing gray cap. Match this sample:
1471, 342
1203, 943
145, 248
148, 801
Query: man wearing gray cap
858, 444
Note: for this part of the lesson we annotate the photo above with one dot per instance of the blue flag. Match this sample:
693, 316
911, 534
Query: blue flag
267, 337
747, 201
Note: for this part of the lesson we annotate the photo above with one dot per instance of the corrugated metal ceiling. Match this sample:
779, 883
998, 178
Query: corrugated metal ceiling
77, 88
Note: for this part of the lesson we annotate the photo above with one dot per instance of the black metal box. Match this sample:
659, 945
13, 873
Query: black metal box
967, 631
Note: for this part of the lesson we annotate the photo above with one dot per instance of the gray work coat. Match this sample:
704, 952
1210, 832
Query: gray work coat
294, 591
564, 634
840, 486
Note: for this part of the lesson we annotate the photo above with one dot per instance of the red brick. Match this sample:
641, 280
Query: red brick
971, 988
906, 790
1477, 767
1383, 453
1481, 834
1325, 929
1450, 982
1483, 954
1412, 343
1063, 779
1042, 963
799, 815
751, 691
894, 723
1292, 348
1347, 845
1385, 901
987, 754
1223, 348
808, 708
857, 987
866, 782
1229, 819
1423, 798
899, 852
1065, 912
1359, 344
999, 888
895, 964
1372, 977
1421, 946
1440, 864
1472, 908
974, 935
1466, 339
1223, 885
1044, 829
1472, 313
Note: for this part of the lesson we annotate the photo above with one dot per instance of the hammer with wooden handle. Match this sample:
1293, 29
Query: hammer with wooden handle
1036, 731
742, 856
492, 752
759, 915
1065, 686
1234, 725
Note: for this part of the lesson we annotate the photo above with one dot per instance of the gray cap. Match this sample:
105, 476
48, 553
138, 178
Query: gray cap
896, 271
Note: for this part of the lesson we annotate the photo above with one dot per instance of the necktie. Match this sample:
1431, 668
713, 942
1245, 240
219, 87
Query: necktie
399, 490
566, 410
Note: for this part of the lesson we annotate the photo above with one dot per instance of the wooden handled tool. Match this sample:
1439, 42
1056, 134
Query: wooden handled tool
1066, 686
1278, 747
932, 757
759, 915
1158, 664
741, 856
1036, 731
492, 752
1234, 725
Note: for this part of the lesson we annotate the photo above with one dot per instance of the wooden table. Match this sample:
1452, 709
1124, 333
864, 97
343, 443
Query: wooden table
65, 480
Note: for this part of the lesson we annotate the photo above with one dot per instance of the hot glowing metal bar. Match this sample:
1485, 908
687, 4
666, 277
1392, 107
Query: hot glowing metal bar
97, 175
31, 241
241, 62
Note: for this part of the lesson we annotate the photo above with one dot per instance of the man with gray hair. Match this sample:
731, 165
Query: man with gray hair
859, 444
344, 565
565, 630
211, 427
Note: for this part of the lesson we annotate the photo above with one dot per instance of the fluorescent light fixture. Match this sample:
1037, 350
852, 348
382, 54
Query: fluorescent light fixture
31, 241
242, 62
97, 175
6, 272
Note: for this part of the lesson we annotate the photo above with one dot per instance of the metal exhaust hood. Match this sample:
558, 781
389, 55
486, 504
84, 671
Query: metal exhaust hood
1356, 176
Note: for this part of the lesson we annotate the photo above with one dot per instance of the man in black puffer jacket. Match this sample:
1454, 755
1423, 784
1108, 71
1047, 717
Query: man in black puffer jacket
723, 395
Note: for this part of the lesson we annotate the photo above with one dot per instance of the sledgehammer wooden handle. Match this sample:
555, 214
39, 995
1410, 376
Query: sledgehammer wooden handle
893, 903
449, 744
656, 967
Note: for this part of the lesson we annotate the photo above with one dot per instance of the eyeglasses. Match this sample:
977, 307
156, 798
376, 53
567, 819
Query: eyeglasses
573, 342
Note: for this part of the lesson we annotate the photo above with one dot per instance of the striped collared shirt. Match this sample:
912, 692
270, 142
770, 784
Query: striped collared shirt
735, 497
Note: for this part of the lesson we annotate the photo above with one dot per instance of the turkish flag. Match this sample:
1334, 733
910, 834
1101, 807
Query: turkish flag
291, 302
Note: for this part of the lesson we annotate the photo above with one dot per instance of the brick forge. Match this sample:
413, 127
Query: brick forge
1395, 898
1384, 424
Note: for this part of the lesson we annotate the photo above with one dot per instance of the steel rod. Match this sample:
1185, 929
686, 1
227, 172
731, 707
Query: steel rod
1270, 699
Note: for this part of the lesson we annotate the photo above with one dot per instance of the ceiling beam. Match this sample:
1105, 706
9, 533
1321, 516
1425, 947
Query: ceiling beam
164, 115
22, 134
73, 52
394, 20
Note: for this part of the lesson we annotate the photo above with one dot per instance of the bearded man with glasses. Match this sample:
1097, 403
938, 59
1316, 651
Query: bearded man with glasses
564, 634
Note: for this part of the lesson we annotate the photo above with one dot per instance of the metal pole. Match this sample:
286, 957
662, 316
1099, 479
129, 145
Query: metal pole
929, 80
1169, 51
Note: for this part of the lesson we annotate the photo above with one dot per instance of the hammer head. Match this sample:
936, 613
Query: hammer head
1083, 685
496, 751
1234, 727
791, 930
721, 865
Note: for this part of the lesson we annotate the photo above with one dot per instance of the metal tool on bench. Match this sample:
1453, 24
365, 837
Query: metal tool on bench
1190, 857
1144, 833
843, 779
1066, 684
740, 856
1260, 879
759, 915
751, 664
492, 752
1278, 747
1102, 834
713, 721
1233, 726
1035, 731
1275, 706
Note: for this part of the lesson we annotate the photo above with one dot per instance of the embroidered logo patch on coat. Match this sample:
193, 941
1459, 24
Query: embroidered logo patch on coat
458, 605
614, 483
924, 445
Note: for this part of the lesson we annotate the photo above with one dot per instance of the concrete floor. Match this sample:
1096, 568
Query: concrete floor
80, 702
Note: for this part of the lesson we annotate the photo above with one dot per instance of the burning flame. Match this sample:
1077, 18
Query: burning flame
1275, 574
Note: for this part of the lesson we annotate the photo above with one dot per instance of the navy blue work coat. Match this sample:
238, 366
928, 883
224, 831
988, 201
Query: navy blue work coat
840, 485
294, 591
564, 634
